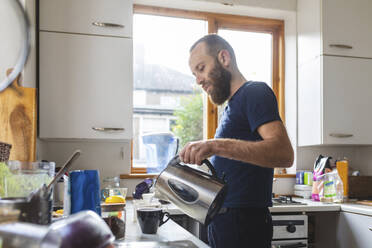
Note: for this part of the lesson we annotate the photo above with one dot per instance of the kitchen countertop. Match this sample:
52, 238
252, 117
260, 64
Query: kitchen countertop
356, 208
312, 206
170, 231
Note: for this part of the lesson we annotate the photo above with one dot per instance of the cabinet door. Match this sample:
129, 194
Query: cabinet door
101, 17
354, 230
346, 22
309, 103
85, 82
347, 100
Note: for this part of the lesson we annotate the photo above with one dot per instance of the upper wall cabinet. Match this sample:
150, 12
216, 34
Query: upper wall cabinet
334, 72
334, 101
334, 27
86, 69
86, 85
98, 17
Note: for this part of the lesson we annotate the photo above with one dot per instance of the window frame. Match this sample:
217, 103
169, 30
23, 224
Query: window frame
236, 22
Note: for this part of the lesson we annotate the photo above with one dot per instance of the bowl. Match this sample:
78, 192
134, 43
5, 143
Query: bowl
8, 215
147, 197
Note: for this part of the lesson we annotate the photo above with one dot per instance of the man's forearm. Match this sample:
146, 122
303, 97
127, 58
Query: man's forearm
266, 153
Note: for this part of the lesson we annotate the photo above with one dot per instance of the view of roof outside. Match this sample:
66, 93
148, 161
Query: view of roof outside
253, 53
163, 82
166, 98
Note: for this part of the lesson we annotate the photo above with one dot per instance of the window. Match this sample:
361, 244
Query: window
166, 98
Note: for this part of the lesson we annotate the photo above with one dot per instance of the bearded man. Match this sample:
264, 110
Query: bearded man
249, 142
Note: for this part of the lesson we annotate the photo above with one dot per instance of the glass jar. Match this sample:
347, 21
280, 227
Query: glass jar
114, 215
20, 179
108, 184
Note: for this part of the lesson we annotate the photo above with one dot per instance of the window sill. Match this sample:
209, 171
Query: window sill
138, 176
143, 176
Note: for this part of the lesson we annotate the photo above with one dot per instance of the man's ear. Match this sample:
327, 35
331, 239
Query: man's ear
224, 58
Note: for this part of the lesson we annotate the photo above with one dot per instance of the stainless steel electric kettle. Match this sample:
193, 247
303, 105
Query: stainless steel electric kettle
198, 194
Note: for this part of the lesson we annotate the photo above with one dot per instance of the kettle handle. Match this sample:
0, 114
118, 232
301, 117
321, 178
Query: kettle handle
205, 161
210, 167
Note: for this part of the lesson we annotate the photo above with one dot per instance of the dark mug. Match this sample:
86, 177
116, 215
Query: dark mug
150, 219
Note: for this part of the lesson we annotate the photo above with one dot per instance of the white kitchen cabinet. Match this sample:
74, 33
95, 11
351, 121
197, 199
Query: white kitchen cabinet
334, 72
354, 230
86, 82
334, 27
334, 101
98, 17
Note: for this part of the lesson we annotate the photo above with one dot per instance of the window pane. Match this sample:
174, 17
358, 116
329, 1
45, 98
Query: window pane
165, 97
253, 53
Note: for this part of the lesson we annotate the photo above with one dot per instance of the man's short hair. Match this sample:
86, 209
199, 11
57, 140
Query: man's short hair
215, 44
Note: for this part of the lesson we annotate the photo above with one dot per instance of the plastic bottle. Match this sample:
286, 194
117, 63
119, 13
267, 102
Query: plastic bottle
343, 171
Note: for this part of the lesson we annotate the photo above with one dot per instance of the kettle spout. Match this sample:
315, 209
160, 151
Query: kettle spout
160, 196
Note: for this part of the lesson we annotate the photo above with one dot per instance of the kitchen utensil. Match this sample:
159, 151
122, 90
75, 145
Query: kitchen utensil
20, 179
15, 40
8, 215
343, 170
108, 186
150, 219
198, 194
59, 192
142, 187
160, 148
45, 191
114, 214
85, 191
147, 198
18, 120
28, 235
83, 229
37, 207
4, 151
64, 168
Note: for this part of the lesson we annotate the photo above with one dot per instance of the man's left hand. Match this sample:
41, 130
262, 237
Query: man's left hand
196, 152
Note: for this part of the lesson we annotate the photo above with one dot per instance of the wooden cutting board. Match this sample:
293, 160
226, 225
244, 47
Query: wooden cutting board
18, 120
365, 202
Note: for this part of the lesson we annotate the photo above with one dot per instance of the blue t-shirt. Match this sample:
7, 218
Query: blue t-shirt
251, 106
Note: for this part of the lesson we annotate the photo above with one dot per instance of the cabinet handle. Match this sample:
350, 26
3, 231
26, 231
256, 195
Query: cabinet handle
107, 25
340, 135
341, 46
109, 129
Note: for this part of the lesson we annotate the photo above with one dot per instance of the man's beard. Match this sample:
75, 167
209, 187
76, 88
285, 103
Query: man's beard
220, 79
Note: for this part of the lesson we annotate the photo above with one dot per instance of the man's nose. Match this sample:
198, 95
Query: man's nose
199, 80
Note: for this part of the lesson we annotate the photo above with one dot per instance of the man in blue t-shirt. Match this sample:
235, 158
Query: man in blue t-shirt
250, 141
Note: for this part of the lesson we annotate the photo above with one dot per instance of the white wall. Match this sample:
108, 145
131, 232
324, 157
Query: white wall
363, 161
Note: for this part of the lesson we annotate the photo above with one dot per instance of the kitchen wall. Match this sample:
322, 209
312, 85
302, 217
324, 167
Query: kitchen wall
360, 157
114, 158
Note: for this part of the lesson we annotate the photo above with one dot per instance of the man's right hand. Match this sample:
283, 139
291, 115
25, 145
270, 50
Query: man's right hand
195, 152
